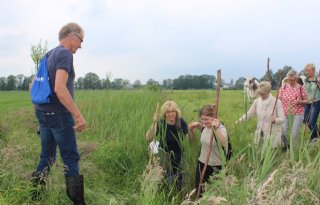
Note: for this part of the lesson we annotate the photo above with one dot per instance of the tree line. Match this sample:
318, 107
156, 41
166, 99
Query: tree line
92, 81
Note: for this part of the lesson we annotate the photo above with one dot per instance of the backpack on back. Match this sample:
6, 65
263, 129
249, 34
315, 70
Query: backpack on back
40, 88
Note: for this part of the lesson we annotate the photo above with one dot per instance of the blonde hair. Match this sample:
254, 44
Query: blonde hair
264, 87
311, 65
170, 106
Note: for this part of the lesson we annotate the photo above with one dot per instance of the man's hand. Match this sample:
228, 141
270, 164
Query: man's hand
80, 123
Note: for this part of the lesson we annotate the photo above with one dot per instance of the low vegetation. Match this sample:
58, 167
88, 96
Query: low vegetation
117, 165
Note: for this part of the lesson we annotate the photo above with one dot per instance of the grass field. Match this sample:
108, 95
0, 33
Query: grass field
114, 154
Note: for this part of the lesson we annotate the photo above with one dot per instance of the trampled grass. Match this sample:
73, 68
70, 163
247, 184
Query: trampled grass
114, 154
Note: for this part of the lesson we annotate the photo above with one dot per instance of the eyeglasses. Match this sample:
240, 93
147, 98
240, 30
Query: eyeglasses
81, 40
203, 119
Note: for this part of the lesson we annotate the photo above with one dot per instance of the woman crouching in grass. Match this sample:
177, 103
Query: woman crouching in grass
206, 126
171, 128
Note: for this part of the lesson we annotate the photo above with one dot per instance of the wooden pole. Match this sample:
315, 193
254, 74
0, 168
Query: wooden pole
215, 115
268, 70
275, 104
154, 141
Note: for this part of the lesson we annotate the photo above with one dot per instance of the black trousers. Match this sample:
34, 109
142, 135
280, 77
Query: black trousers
211, 170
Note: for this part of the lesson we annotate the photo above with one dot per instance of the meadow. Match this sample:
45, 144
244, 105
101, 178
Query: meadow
115, 158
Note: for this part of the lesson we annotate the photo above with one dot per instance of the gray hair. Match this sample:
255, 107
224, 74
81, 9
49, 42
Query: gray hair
70, 28
292, 73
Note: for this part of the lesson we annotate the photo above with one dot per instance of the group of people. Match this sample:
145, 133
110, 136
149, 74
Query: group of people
293, 101
61, 119
296, 101
172, 128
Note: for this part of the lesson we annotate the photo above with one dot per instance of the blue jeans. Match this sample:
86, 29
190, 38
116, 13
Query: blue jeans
311, 117
56, 128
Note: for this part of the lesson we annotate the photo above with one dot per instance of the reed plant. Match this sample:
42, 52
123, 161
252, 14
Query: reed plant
114, 154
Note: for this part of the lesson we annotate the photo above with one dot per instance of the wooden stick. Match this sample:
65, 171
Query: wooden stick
156, 123
153, 140
275, 104
268, 70
215, 115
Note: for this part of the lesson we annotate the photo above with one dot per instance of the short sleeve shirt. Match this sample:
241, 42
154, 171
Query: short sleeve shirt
215, 158
59, 58
289, 95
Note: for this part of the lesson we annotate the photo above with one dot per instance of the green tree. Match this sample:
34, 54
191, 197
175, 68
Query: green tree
26, 82
137, 84
106, 84
3, 83
239, 83
80, 83
11, 82
37, 52
167, 84
91, 81
117, 83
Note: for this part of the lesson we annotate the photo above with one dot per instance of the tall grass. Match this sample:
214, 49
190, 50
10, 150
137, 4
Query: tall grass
114, 154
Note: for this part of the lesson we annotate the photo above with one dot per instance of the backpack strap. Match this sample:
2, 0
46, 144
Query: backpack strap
313, 81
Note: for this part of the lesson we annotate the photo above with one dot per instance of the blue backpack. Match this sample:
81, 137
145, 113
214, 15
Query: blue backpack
40, 89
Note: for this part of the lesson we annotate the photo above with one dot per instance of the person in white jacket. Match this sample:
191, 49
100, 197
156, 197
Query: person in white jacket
270, 116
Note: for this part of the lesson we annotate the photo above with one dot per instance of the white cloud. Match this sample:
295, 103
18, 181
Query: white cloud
143, 39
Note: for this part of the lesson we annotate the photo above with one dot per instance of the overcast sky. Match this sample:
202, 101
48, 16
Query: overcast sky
162, 39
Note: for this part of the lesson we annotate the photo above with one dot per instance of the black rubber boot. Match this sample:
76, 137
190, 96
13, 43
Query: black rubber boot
38, 180
75, 189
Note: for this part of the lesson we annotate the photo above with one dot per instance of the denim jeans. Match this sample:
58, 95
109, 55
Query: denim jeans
56, 128
311, 117
295, 129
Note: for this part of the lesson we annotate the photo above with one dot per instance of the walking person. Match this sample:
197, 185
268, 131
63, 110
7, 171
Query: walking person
171, 128
312, 108
293, 97
58, 118
269, 114
206, 126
